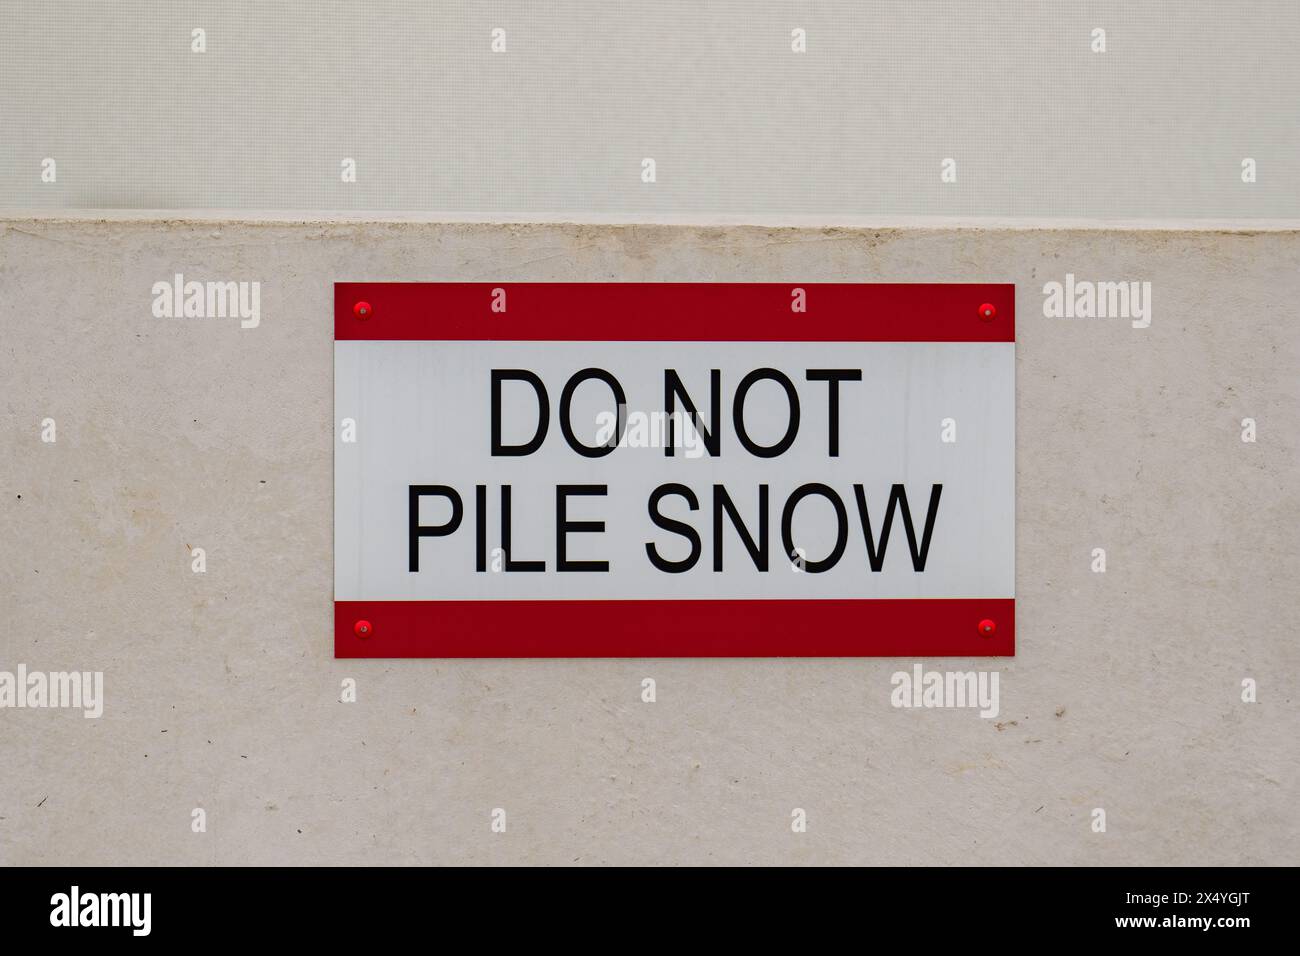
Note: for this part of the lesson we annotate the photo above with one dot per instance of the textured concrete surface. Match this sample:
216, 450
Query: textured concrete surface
222, 692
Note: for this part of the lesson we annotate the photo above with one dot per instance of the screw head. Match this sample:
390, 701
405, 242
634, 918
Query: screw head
988, 628
362, 629
988, 312
361, 310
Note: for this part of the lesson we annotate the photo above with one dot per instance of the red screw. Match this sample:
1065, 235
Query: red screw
362, 310
987, 627
988, 312
362, 629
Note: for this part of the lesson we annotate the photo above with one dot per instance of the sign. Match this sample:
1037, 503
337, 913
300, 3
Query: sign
674, 470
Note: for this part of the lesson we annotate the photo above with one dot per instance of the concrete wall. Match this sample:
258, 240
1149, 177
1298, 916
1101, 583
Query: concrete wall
222, 692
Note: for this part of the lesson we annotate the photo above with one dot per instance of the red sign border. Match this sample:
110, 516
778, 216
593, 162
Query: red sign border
674, 312
866, 627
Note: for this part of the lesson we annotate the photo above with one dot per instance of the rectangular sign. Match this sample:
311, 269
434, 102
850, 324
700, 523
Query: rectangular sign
674, 470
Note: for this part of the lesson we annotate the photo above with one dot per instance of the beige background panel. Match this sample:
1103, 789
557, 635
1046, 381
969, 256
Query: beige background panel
221, 688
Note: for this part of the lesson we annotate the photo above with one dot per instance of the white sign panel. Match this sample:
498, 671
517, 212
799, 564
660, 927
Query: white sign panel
567, 495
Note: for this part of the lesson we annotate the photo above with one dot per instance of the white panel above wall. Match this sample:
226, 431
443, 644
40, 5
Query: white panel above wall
835, 110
